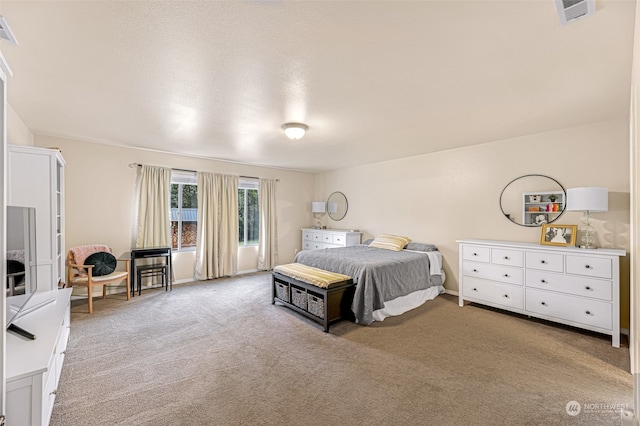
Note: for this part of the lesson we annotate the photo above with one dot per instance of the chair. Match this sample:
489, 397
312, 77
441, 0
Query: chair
80, 274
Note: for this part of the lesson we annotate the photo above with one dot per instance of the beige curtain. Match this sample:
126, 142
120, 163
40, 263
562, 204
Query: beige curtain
154, 222
217, 240
268, 239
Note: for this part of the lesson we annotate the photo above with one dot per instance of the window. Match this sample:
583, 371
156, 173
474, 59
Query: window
184, 210
248, 213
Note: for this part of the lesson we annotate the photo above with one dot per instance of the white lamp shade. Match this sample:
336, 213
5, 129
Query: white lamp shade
589, 198
333, 207
317, 207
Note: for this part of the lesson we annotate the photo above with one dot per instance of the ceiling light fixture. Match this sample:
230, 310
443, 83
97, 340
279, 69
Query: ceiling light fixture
294, 130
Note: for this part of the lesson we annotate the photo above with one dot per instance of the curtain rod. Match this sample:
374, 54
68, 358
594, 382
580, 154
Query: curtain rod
132, 165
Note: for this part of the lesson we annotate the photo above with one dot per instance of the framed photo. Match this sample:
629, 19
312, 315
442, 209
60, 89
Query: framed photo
559, 235
539, 218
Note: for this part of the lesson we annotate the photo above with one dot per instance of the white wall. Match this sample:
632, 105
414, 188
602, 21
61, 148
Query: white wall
17, 132
450, 195
100, 185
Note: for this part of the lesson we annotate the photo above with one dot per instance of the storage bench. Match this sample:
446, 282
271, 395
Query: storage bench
322, 296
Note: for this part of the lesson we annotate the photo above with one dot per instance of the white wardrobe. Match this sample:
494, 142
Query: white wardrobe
35, 178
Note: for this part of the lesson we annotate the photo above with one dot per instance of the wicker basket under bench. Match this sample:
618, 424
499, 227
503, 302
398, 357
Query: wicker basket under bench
322, 305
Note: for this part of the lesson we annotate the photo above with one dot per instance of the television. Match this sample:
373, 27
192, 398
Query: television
22, 265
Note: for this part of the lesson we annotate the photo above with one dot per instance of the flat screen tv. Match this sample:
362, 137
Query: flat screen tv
22, 265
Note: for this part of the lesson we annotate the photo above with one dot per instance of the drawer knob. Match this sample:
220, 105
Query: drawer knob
506, 295
475, 289
588, 288
506, 275
475, 270
543, 281
588, 266
543, 303
506, 258
588, 312
475, 254
543, 262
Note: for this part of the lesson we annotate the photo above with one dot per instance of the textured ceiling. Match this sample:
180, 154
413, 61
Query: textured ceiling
373, 80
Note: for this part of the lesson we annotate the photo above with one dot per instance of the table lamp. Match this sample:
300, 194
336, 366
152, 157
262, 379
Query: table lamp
316, 208
591, 199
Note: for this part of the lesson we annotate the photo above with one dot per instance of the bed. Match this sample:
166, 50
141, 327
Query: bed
388, 282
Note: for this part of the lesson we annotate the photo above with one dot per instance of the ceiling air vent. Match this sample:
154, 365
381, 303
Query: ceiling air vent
570, 10
5, 31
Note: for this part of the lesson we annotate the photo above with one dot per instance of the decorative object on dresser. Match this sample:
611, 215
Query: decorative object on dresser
328, 238
533, 200
318, 209
588, 200
561, 284
559, 235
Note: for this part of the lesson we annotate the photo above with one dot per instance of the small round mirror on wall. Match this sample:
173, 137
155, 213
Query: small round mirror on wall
533, 200
337, 206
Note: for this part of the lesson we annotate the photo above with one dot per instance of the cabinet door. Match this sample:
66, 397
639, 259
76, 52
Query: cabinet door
29, 184
24, 401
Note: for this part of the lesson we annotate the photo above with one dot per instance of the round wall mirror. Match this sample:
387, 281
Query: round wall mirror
533, 200
337, 206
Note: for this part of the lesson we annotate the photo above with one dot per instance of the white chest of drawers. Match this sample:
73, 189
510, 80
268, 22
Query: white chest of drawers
328, 238
568, 285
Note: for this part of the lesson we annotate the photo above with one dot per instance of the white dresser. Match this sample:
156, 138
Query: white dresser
33, 367
328, 238
568, 285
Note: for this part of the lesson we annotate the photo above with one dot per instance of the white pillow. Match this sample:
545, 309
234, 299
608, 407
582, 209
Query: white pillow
390, 242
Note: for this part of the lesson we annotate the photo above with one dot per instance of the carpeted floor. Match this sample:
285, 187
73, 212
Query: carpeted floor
219, 353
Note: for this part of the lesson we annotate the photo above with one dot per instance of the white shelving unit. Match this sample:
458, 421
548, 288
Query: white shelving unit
536, 207
36, 179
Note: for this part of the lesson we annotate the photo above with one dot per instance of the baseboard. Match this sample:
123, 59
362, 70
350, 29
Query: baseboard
452, 292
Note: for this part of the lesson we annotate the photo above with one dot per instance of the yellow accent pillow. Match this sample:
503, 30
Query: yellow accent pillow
390, 242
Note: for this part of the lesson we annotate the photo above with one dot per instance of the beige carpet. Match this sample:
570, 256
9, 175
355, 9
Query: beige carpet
219, 353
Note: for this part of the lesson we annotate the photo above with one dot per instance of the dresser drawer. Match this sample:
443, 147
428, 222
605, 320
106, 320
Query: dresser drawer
589, 266
307, 235
588, 312
507, 257
478, 254
339, 240
492, 292
587, 287
503, 274
545, 261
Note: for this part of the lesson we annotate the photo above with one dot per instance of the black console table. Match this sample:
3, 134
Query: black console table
146, 253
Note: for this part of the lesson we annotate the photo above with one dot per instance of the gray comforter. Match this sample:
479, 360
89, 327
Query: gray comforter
381, 275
